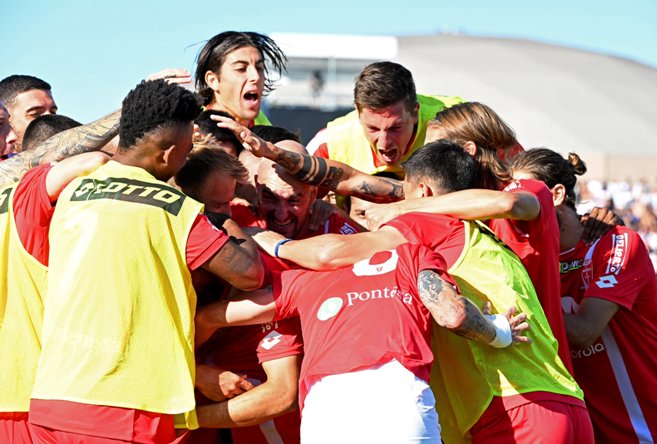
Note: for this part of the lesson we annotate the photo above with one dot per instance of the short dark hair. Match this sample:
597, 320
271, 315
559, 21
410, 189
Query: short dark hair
16, 84
154, 105
444, 163
213, 54
274, 134
208, 126
382, 84
205, 158
44, 127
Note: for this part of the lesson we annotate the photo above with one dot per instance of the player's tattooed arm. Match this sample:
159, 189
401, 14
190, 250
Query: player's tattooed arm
238, 261
82, 139
339, 177
453, 311
333, 175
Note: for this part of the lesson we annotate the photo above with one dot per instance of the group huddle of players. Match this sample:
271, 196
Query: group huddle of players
181, 270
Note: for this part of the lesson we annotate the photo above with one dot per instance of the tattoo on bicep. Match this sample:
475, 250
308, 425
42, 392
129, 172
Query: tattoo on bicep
444, 304
432, 294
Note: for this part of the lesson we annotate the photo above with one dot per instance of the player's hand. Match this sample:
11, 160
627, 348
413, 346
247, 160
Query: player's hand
518, 323
597, 223
219, 385
254, 144
267, 240
320, 212
378, 215
172, 75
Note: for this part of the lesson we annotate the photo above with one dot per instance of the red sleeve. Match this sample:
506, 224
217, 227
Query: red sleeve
284, 287
322, 151
523, 227
620, 264
204, 241
33, 212
437, 232
338, 224
426, 259
283, 340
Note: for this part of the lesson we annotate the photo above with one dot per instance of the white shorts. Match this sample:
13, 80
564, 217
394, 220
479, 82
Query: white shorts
382, 404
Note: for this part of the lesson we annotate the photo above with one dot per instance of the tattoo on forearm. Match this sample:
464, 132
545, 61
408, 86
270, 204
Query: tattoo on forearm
445, 304
379, 189
475, 327
310, 169
68, 143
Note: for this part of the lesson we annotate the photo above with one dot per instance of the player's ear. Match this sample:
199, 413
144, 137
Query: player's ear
558, 194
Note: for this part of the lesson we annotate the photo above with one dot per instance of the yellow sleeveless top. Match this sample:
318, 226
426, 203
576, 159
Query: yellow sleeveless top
119, 319
467, 374
21, 312
346, 141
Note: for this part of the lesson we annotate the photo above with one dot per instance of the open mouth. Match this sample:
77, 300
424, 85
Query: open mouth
251, 97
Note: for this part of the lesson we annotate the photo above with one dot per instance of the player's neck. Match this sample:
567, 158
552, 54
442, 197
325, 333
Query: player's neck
570, 227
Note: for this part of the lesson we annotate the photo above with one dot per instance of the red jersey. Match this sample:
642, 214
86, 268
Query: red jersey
536, 242
618, 372
33, 212
361, 316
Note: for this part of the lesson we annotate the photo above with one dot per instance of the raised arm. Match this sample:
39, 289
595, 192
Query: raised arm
82, 139
336, 176
474, 204
65, 171
459, 315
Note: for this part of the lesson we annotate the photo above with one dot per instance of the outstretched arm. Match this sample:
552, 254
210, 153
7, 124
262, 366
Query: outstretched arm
459, 315
82, 139
336, 176
256, 307
473, 204
330, 251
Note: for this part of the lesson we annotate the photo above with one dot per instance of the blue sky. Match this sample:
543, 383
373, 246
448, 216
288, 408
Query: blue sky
94, 52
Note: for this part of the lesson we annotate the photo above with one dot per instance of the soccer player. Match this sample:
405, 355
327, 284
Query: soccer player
516, 408
118, 319
232, 74
387, 126
26, 98
609, 297
26, 208
7, 135
520, 212
366, 341
268, 354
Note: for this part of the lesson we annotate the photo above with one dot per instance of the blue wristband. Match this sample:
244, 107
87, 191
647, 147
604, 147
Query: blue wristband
278, 245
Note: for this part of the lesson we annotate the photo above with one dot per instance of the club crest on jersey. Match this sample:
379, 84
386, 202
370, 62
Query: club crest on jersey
364, 268
129, 190
329, 308
4, 200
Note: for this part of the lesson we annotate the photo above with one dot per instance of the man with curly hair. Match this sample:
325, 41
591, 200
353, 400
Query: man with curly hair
117, 362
